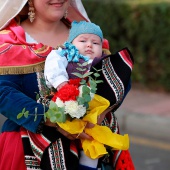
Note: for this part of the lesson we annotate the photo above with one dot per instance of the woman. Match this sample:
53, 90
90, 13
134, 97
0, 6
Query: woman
24, 44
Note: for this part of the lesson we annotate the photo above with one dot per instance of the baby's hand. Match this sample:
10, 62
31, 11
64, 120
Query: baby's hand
61, 85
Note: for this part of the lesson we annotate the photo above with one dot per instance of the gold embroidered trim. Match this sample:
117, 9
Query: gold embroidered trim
22, 69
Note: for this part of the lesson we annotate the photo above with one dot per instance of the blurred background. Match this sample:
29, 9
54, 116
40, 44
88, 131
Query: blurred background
142, 26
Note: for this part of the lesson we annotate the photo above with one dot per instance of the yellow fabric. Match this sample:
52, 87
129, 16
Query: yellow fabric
102, 135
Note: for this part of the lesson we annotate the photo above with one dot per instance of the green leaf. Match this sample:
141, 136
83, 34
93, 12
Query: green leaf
81, 69
61, 109
37, 96
93, 91
87, 98
86, 105
23, 113
85, 64
94, 69
83, 82
99, 81
80, 100
26, 114
86, 89
62, 118
53, 119
92, 84
78, 75
23, 110
79, 64
96, 74
49, 113
94, 87
19, 115
52, 105
87, 74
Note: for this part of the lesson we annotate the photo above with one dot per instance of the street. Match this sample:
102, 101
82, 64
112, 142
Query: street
149, 153
145, 116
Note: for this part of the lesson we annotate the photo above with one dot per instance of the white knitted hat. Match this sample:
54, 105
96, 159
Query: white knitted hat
11, 8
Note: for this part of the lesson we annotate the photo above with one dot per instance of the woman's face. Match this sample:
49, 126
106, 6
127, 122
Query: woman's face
50, 10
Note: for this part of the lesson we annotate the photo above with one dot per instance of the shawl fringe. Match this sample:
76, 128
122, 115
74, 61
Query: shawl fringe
22, 69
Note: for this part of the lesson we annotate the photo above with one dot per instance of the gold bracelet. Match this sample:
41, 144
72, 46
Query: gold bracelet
78, 135
83, 130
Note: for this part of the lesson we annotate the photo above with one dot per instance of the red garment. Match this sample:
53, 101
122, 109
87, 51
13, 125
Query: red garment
13, 47
122, 160
12, 156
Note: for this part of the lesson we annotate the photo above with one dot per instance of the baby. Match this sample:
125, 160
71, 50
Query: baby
85, 41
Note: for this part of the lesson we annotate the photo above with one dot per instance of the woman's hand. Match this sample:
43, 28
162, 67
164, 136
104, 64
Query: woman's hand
49, 123
82, 135
102, 115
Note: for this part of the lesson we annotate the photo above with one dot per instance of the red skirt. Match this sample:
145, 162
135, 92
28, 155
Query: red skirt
11, 151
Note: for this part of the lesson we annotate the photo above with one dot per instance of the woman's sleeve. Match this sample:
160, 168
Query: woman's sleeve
55, 69
12, 102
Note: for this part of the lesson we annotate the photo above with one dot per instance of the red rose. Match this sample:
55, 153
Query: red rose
68, 92
75, 82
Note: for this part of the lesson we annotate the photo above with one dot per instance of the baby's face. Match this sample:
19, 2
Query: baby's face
89, 45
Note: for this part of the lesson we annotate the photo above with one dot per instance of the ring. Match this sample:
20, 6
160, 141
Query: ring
78, 135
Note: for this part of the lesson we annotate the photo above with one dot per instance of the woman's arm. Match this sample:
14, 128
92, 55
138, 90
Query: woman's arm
12, 102
114, 107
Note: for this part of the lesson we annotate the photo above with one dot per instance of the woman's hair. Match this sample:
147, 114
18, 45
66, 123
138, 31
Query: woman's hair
23, 15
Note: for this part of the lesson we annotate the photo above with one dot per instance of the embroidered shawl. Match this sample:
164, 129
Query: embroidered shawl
16, 55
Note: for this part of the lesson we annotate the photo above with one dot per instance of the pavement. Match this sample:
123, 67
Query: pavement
145, 112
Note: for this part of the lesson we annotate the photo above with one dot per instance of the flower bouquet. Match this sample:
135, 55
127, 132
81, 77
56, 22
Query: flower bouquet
75, 104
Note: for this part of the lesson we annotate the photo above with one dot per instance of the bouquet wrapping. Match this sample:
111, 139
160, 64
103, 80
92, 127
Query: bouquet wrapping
102, 135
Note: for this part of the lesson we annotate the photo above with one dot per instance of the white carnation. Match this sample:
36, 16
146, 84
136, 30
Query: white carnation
74, 110
59, 102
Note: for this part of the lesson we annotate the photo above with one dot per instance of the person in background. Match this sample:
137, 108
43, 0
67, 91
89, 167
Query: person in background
29, 31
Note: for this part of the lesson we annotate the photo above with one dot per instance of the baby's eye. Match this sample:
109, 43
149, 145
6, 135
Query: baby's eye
96, 43
82, 41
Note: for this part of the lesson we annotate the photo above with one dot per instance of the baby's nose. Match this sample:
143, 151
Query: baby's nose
89, 44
